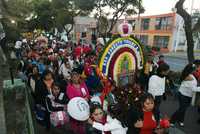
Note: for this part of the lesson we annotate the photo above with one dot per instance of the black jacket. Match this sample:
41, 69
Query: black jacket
41, 93
134, 114
54, 104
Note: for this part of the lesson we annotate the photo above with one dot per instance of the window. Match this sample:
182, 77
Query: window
164, 23
83, 34
145, 24
132, 23
181, 44
161, 41
144, 39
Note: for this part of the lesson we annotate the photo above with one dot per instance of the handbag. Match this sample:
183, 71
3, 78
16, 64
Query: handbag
59, 118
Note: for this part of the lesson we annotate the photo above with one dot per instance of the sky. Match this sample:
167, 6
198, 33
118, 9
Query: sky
153, 7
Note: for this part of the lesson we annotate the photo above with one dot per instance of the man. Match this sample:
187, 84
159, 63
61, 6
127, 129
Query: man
18, 46
156, 86
197, 76
161, 60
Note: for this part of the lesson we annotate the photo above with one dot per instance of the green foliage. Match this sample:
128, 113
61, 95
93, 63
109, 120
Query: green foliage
85, 5
44, 14
118, 8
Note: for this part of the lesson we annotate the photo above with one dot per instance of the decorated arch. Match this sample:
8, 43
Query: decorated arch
122, 56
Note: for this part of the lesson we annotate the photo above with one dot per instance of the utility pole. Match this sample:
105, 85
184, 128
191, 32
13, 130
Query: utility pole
192, 6
139, 18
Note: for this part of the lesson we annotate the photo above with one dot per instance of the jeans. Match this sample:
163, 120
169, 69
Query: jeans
158, 100
184, 103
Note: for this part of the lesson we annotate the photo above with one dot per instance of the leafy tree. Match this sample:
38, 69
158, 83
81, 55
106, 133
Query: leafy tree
118, 8
14, 14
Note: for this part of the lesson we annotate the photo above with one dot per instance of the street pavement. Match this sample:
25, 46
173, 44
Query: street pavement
176, 63
178, 60
169, 106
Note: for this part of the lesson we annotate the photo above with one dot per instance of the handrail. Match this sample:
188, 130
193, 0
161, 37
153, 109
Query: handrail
30, 123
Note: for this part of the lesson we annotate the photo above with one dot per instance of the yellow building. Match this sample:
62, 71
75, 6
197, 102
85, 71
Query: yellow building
155, 30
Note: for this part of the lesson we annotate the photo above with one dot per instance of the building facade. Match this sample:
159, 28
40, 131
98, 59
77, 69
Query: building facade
165, 31
84, 28
156, 30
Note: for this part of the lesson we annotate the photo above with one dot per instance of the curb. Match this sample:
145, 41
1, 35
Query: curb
179, 57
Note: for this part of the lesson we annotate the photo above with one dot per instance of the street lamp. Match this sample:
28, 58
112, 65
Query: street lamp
13, 21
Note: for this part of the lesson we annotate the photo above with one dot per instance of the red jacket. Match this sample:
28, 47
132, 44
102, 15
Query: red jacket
197, 74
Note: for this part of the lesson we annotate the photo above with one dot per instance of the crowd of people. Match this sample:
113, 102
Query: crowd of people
58, 72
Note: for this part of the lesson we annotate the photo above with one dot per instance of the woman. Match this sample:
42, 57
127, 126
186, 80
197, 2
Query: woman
77, 88
56, 101
141, 119
65, 70
188, 85
56, 104
97, 115
33, 78
108, 123
42, 90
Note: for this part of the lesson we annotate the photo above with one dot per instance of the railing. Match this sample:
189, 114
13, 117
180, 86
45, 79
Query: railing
30, 122
22, 88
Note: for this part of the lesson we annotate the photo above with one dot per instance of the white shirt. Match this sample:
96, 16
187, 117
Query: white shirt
156, 85
71, 62
18, 44
112, 125
65, 71
188, 87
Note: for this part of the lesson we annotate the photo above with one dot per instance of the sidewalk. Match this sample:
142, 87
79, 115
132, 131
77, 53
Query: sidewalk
182, 55
169, 106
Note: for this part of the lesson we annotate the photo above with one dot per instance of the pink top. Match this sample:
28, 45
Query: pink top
72, 91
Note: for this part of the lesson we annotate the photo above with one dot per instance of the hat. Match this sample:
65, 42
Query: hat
76, 70
197, 62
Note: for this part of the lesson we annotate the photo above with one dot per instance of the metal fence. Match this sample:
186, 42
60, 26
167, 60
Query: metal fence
30, 122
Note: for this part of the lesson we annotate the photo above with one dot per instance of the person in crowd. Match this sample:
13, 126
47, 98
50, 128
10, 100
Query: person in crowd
77, 87
41, 65
33, 78
161, 60
18, 47
22, 68
197, 76
148, 71
65, 70
188, 85
71, 61
42, 90
141, 117
157, 86
56, 101
197, 71
111, 97
115, 122
96, 115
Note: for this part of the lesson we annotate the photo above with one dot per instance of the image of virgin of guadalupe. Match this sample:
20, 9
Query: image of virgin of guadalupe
124, 72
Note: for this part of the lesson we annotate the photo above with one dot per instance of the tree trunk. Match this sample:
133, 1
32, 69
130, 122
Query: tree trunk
190, 43
68, 32
188, 29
